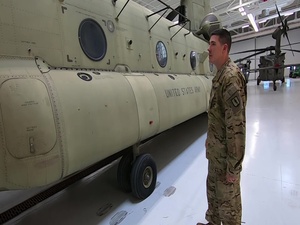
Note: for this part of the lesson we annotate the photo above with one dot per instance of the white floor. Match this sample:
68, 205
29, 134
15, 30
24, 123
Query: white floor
270, 178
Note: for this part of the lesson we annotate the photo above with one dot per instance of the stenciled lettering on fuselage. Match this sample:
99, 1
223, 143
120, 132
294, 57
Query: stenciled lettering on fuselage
176, 92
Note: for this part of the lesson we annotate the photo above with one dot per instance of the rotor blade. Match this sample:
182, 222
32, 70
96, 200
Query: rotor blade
292, 50
296, 43
171, 16
278, 67
283, 27
254, 50
286, 25
249, 56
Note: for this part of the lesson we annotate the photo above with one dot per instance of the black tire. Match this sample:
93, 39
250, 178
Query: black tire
124, 171
274, 86
258, 81
283, 80
143, 176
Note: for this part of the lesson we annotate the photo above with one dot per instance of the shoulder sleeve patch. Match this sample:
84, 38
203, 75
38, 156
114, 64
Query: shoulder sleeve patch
233, 98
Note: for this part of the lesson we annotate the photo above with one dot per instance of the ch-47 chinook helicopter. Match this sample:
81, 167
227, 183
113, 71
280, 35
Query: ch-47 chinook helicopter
271, 67
82, 80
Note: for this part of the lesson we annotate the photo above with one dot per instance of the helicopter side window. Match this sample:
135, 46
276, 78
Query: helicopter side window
161, 54
193, 60
92, 39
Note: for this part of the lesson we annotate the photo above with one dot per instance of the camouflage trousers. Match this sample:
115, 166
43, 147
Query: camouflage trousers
224, 199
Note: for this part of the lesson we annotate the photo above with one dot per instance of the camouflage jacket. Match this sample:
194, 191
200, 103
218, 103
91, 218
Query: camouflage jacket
226, 134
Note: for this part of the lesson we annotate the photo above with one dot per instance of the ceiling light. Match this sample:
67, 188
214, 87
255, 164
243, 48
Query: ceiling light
245, 26
241, 9
251, 18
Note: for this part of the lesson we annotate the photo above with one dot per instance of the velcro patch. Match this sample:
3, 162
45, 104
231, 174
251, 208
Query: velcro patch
235, 101
233, 98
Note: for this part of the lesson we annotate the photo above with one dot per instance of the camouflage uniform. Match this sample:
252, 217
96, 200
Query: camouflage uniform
225, 145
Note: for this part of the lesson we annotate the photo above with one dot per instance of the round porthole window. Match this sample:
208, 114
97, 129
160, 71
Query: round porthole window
161, 54
92, 39
193, 60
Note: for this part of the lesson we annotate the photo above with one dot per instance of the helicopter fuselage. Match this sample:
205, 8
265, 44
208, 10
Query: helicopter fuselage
78, 85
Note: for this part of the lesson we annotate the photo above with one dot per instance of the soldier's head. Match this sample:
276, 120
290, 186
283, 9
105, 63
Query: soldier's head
219, 47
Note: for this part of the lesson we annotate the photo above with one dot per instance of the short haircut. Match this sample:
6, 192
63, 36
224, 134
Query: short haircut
224, 36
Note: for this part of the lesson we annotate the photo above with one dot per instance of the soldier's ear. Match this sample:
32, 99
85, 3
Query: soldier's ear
225, 48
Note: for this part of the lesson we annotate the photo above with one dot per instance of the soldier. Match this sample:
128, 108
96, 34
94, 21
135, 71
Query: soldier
225, 143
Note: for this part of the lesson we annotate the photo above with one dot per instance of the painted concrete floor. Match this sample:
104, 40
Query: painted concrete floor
270, 178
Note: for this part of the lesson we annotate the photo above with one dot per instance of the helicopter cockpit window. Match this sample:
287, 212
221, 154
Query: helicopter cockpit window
161, 54
193, 59
92, 39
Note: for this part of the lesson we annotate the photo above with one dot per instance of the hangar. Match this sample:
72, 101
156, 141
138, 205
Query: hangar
270, 178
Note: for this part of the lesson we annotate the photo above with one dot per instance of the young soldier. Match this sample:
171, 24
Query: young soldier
225, 143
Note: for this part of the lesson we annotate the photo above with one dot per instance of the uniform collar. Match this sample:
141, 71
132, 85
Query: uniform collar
221, 70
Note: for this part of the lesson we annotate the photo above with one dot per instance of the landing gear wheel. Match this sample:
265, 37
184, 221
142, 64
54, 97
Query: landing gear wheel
124, 170
274, 86
283, 80
143, 176
258, 81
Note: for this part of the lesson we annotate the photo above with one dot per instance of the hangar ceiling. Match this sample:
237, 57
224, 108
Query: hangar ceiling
230, 13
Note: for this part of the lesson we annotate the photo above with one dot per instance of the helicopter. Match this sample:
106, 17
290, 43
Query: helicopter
294, 71
245, 69
87, 81
271, 66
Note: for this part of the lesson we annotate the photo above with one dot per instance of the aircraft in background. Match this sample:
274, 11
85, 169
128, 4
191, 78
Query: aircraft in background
271, 67
294, 71
245, 68
82, 81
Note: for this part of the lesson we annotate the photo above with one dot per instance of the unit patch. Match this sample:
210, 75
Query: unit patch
235, 101
233, 98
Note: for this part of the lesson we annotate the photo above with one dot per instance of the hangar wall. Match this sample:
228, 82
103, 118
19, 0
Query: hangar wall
266, 41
